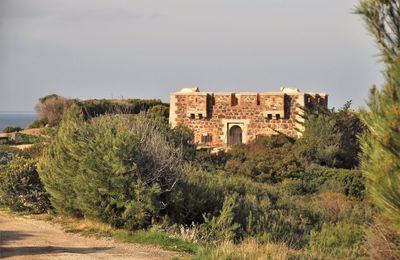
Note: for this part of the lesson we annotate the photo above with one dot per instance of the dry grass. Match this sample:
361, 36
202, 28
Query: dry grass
252, 250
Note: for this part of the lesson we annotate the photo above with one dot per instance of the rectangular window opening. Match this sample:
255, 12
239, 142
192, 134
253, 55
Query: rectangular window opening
192, 116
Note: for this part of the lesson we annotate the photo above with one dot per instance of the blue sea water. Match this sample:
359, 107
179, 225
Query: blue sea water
12, 118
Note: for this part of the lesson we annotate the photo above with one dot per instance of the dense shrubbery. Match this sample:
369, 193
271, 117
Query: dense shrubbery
12, 128
119, 169
133, 171
96, 107
20, 186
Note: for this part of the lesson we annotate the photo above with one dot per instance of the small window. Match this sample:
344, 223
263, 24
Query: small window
278, 116
234, 101
258, 100
269, 116
192, 116
200, 116
206, 138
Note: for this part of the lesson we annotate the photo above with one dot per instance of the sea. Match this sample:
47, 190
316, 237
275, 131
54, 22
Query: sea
22, 119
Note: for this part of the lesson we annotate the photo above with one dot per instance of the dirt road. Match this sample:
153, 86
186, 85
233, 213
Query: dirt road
22, 238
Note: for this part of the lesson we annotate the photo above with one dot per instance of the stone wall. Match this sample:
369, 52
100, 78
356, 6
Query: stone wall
212, 115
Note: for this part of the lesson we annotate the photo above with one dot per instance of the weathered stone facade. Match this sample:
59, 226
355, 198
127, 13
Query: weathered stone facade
223, 119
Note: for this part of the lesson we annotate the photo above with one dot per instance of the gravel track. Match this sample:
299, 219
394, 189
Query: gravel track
22, 238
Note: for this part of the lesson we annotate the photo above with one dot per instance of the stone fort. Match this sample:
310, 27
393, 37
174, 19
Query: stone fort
222, 119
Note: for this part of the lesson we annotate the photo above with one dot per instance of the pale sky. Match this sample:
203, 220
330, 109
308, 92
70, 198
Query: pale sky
149, 48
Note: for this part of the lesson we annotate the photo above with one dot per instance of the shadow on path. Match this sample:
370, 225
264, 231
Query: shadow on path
21, 251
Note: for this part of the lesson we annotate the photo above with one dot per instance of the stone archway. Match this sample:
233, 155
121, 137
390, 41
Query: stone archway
235, 135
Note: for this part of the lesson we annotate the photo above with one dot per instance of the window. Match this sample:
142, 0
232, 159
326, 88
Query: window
206, 138
278, 116
192, 116
234, 100
258, 100
200, 116
269, 116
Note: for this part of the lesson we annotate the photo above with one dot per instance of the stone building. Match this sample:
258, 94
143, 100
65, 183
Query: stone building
220, 120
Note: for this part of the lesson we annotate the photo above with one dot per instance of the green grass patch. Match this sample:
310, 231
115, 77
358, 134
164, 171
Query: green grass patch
163, 239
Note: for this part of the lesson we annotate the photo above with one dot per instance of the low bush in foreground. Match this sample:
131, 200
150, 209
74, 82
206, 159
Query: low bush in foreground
21, 188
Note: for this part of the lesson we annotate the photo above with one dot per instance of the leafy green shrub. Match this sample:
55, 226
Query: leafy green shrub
21, 138
339, 240
21, 188
12, 128
260, 210
116, 168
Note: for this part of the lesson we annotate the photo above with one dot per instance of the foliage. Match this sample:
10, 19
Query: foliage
339, 241
259, 209
96, 107
12, 128
21, 138
119, 169
382, 18
21, 188
37, 124
50, 108
330, 138
381, 143
222, 227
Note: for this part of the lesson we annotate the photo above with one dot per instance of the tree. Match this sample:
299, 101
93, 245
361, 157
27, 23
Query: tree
50, 108
330, 138
381, 143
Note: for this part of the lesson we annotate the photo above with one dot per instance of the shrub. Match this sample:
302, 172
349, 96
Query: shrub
339, 240
21, 138
37, 124
119, 169
96, 107
21, 188
260, 210
12, 128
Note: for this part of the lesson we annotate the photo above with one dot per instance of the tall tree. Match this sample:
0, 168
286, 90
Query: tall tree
380, 158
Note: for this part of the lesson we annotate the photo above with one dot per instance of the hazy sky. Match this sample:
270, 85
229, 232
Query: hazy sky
149, 48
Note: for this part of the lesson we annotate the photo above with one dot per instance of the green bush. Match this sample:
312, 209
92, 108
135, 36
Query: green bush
339, 241
116, 168
259, 209
21, 138
21, 188
12, 128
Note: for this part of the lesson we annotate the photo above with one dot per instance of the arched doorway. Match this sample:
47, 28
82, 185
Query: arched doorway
235, 135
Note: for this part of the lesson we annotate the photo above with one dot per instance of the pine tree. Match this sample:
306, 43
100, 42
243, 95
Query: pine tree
380, 158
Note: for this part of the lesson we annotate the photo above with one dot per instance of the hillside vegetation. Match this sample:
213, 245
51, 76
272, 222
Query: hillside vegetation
332, 194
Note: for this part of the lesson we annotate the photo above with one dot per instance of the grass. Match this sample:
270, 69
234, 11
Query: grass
98, 229
166, 241
252, 250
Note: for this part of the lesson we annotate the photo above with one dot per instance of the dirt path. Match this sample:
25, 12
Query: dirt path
22, 238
